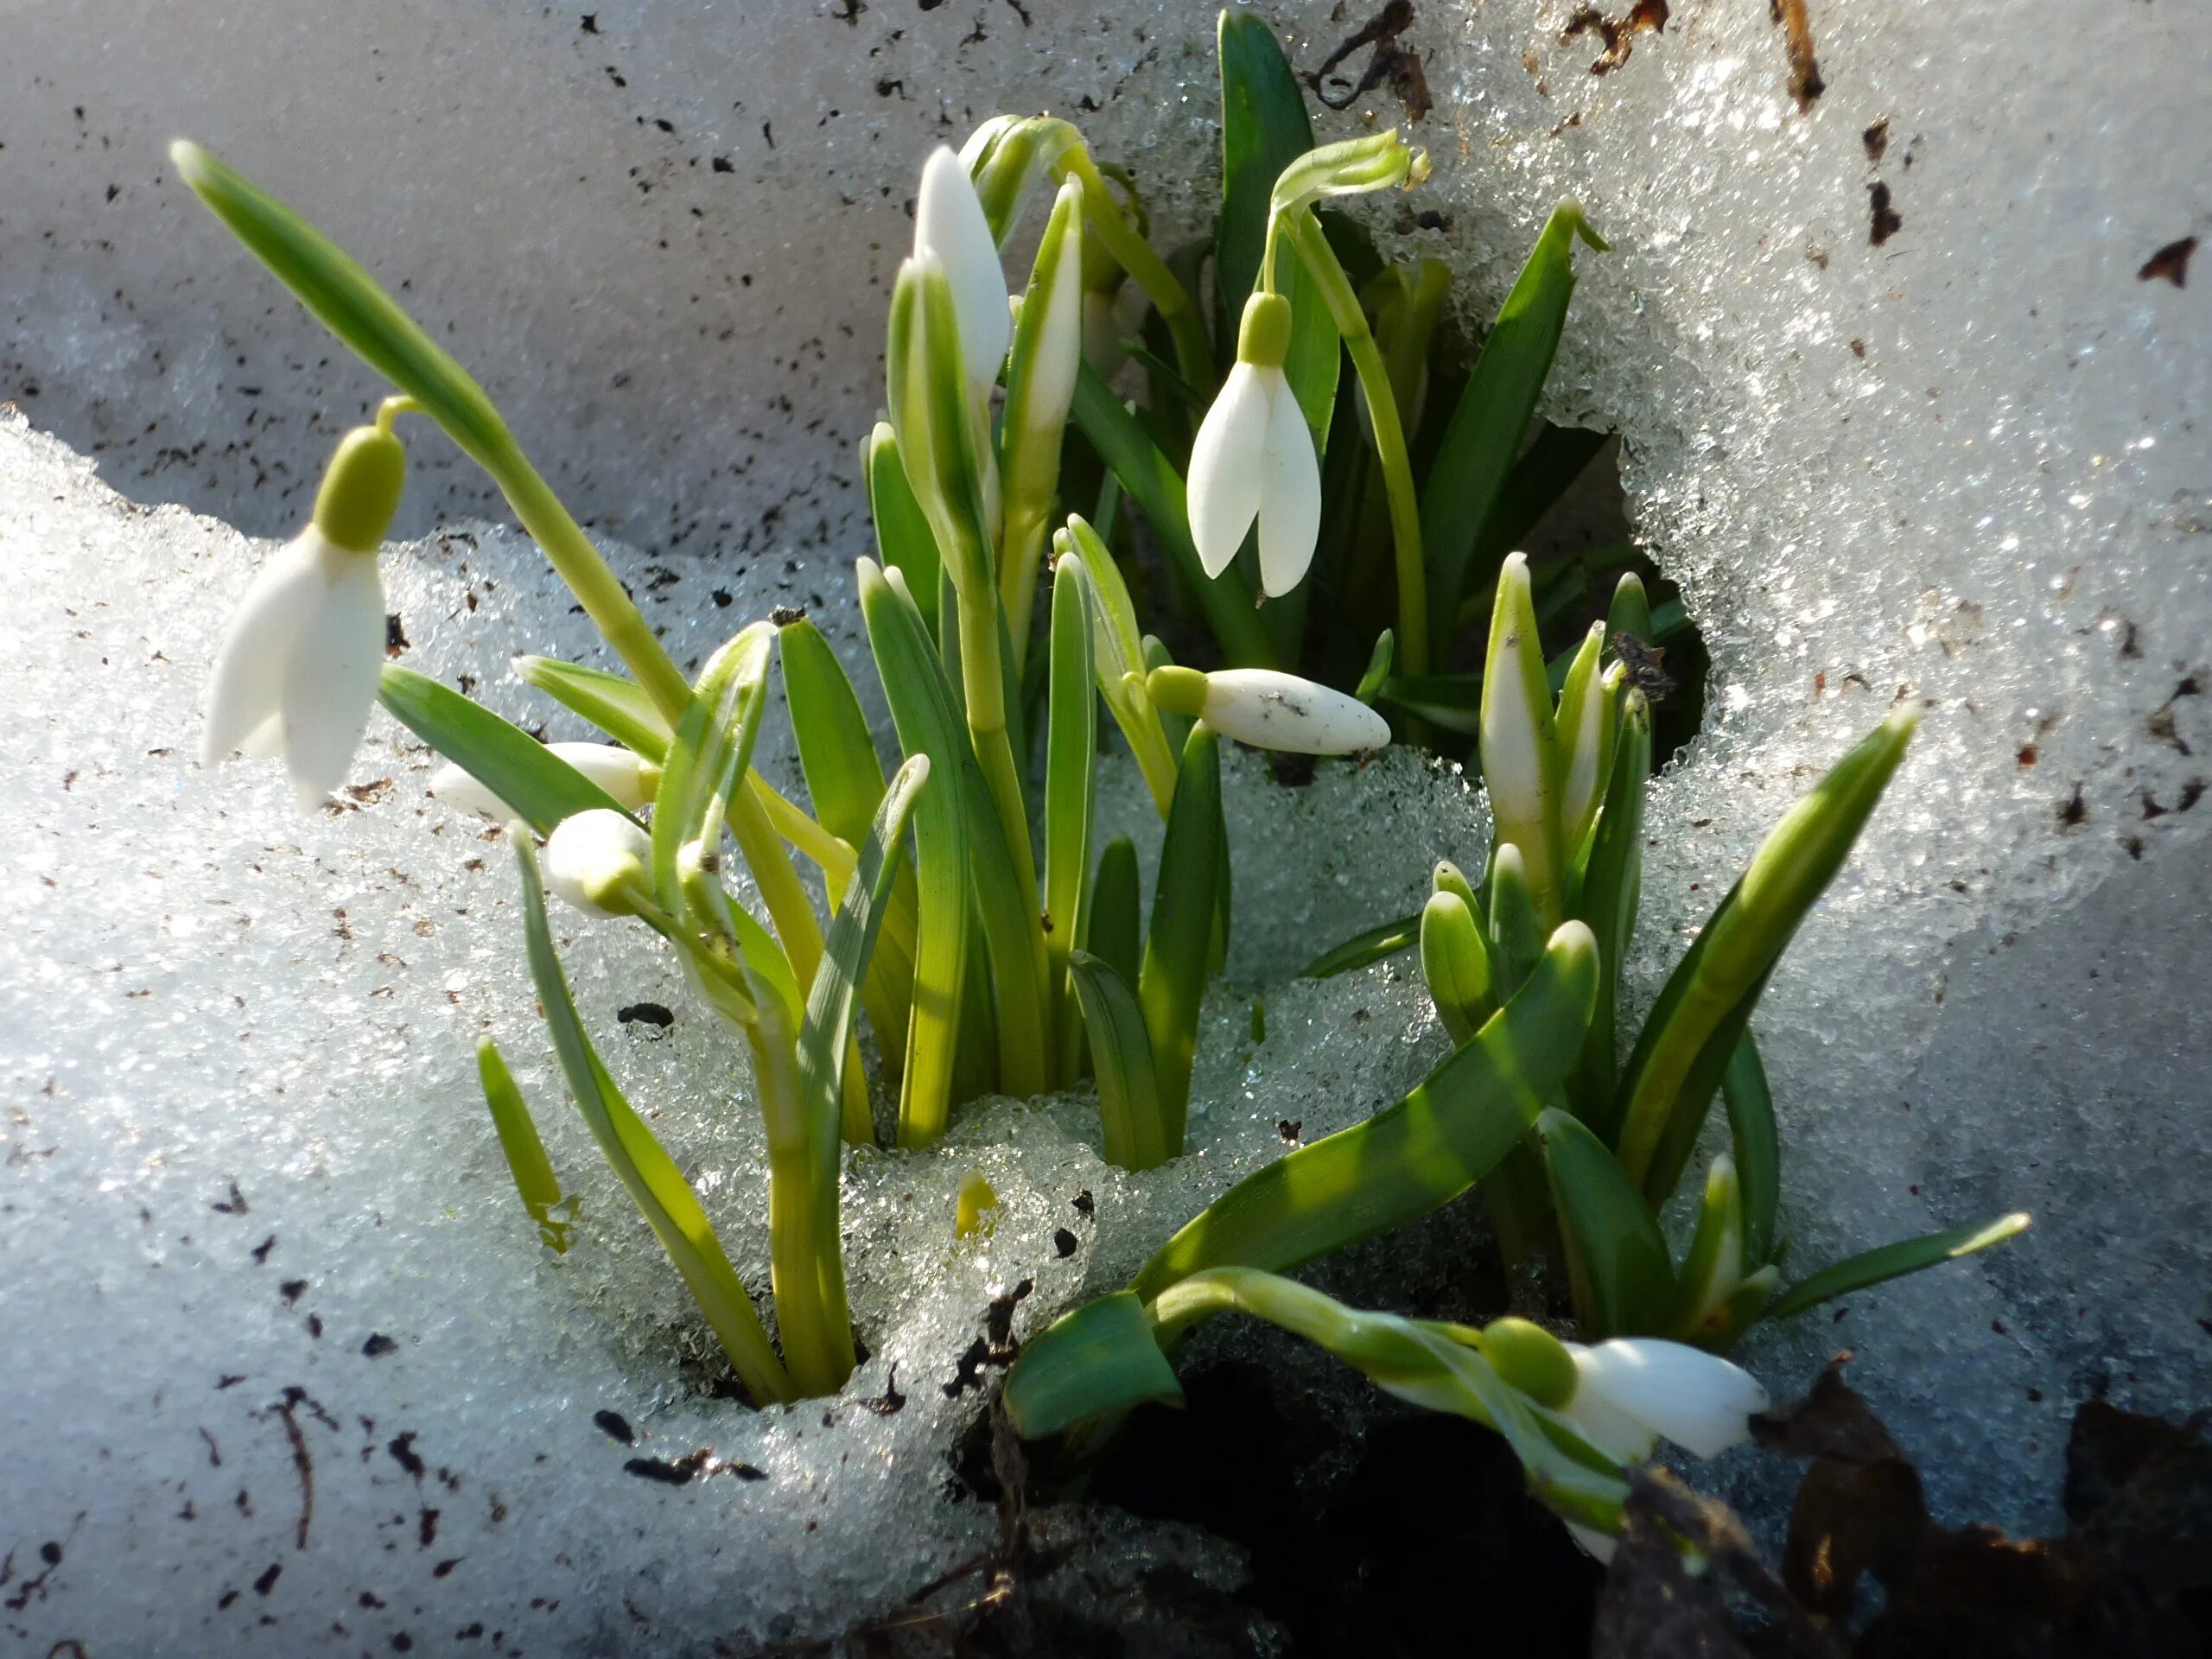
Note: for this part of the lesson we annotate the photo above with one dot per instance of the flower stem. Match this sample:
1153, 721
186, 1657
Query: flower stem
1102, 213
578, 563
1305, 233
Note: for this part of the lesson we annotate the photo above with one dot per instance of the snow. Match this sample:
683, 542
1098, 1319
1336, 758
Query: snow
1961, 464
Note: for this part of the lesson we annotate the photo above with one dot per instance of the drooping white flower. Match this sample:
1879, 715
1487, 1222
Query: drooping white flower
599, 861
629, 779
1270, 710
1632, 1391
1254, 459
950, 222
298, 667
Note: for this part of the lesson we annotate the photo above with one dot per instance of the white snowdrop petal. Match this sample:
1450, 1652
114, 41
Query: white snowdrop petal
1608, 1429
948, 221
1699, 1400
1272, 710
331, 681
1290, 503
590, 857
1599, 1545
249, 678
1228, 464
460, 790
623, 774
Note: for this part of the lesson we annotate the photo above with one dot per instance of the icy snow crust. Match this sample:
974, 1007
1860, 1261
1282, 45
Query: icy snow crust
1961, 465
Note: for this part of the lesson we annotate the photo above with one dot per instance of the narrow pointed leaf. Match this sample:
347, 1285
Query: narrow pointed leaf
647, 1173
844, 778
539, 1187
926, 725
1892, 1261
1693, 1027
1385, 940
903, 535
711, 748
1623, 1279
1611, 891
1411, 1157
1113, 922
1135, 1134
615, 703
1455, 965
1482, 441
1178, 947
1071, 784
1756, 1145
1101, 1358
507, 761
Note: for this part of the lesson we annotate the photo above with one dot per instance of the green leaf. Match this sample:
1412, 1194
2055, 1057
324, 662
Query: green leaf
1375, 944
1482, 441
844, 778
1071, 784
1453, 702
1455, 965
1157, 488
927, 725
1757, 1146
825, 1039
539, 1186
1411, 1157
647, 1173
1623, 1278
348, 301
507, 761
1130, 1111
1113, 923
1263, 129
902, 532
1545, 471
1516, 938
1178, 947
1100, 1358
1607, 899
615, 703
712, 747
1893, 1262
1630, 613
1693, 1028
1378, 667
1716, 1265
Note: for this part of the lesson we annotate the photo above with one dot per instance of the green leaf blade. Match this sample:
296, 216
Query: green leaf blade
1099, 1360
534, 782
1171, 984
1888, 1261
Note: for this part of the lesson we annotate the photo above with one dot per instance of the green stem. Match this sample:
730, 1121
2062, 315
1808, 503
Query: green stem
818, 1357
1193, 351
1320, 262
578, 563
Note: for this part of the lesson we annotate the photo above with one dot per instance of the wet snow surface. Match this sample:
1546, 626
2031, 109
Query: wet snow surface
286, 1369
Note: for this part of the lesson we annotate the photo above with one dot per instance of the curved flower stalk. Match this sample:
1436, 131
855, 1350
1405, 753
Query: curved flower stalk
297, 671
1577, 1416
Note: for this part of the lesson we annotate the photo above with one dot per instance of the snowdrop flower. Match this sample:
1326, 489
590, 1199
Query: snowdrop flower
1270, 710
1253, 458
599, 861
1632, 1391
629, 779
297, 671
949, 222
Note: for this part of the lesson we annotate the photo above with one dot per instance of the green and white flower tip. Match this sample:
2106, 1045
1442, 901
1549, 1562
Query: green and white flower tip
1254, 459
1633, 1391
298, 667
629, 778
599, 861
1379, 161
948, 221
1270, 710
